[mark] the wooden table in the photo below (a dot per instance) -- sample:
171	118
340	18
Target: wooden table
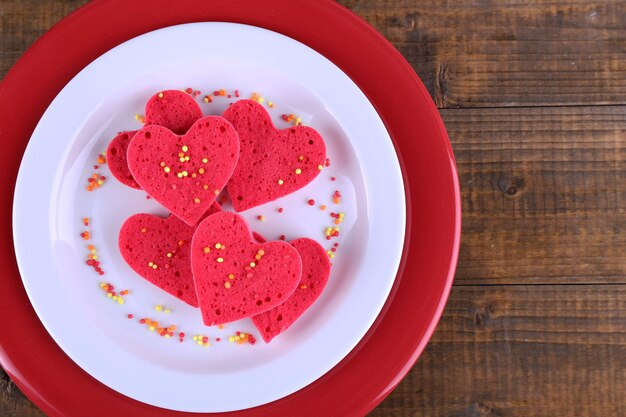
533	94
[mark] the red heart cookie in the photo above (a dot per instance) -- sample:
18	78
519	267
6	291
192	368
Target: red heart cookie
235	276
185	173
158	250
272	163
116	159
315	272
172	109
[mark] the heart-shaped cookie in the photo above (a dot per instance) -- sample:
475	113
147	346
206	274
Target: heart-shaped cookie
315	272
185	173
158	250
116	159
235	276
272	163
172	109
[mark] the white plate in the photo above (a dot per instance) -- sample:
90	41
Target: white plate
51	200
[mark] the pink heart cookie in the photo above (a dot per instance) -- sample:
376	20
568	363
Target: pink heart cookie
158	250
172	109
235	276
315	272
185	173
272	163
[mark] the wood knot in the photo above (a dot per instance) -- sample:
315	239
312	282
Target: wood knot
510	186
408	23
441	86
482	315
484	409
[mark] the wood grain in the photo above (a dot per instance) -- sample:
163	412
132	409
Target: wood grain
543	194
521	351
482	53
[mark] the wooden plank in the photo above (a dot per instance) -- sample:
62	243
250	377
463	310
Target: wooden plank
468	53
472	53
12	402
521	351
543	194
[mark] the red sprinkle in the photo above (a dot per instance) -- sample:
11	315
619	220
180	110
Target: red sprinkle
282	237
311	202
333	178
130	316
280	210
189	90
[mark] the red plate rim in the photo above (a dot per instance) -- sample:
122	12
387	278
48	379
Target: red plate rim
369	373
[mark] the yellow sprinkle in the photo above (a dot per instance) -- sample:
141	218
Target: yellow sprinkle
186	158
252	264
169	254
206	187
298	171
152	328
162	164
231	339
218	245
227	285
181	159
201	171
281	182
205	160
260	100
270	104
320	167
109	295
217	192
160	95
185	148
179	175
331	256
220	260
195	338
167	310
166	169
120	300
185	173
231	276
196	200
154	266
298	121
207	250
261	252
150	264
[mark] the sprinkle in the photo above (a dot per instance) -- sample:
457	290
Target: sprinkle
196	200
167	169
320	167
217	192
158	307
311	202
185	148
231	276
140	118
333	178
323	207
201	171
280	210
205	187
270	104
205	160
301	158
181	242
160	95
86	221
218	245
298	171
207	250
207	99
281	182
227	285
282	237
303	286
220	260
130	316
260	217
252	264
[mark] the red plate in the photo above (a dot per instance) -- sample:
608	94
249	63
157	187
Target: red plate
359	382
